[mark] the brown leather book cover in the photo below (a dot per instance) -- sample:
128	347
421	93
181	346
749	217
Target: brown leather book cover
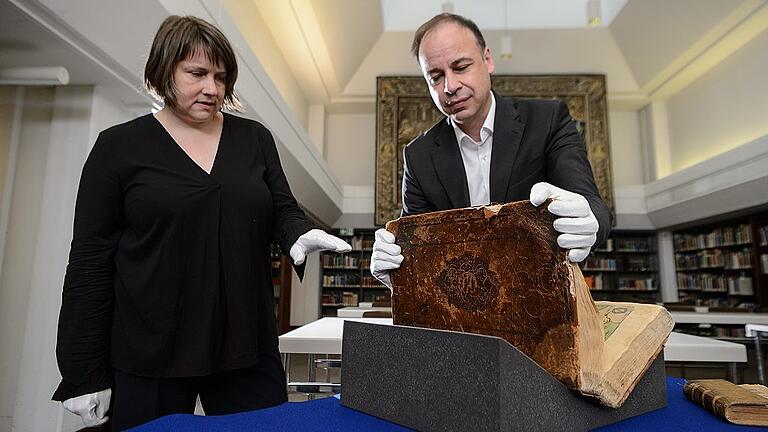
744	404
497	270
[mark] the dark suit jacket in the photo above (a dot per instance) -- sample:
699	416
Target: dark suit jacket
534	140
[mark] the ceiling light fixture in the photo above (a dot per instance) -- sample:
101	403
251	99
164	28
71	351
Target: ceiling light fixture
506	39
26	76
594	13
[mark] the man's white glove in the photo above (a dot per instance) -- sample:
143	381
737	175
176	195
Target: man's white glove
92	408
316	240
578	224
386	256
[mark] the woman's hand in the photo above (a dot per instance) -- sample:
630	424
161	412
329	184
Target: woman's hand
92	408
316	240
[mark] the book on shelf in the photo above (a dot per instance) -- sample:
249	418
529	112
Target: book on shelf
594	282
635	244
727	236
606	247
745	404
648	284
340	299
337	261
497	270
594	263
341	279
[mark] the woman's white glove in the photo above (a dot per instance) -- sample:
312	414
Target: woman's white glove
316	240
578	224
386	256
92	408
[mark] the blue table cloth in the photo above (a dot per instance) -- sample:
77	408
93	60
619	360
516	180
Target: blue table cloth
326	415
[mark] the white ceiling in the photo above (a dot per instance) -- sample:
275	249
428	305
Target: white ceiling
24	42
346	44
408	15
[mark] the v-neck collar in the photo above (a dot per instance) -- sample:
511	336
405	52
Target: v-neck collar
187	156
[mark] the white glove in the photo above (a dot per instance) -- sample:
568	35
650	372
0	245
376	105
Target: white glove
386	256
316	240
578	226
92	408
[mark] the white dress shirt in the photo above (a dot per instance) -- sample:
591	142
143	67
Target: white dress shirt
477	158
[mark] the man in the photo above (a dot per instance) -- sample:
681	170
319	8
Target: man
491	149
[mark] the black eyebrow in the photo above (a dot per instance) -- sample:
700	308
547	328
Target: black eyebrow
461	60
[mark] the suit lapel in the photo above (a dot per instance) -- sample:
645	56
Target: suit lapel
449	166
507	135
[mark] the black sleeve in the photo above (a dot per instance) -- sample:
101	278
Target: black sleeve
568	167
85	320
288	219
414	201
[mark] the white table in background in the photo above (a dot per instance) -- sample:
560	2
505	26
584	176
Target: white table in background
357	312
734	318
324	336
318	337
684	348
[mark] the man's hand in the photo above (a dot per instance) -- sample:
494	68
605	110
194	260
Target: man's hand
316	240
386	256
578	224
92	408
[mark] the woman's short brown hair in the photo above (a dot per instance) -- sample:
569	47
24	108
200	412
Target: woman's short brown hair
178	39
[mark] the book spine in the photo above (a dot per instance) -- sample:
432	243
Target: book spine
708	399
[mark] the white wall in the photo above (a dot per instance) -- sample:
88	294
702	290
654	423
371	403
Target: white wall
627	166
7	106
305	296
723	109
58	130
351	152
533	52
626	156
351	147
256	33
23	225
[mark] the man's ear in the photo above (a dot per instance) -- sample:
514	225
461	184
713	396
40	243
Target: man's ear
488	58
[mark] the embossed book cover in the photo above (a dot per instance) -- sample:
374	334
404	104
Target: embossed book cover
497	270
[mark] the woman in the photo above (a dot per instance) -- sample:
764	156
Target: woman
168	291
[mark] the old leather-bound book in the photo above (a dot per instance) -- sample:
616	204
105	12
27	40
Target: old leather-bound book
497	270
745	404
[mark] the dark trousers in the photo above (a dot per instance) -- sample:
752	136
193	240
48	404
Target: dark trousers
137	400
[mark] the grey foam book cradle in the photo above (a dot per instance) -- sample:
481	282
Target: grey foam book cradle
437	380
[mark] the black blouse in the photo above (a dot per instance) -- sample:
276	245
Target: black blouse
169	272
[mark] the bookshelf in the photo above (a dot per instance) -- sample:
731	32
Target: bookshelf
720	265
625	268
346	278
281	285
760	235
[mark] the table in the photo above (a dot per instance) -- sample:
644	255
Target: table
357	312
324	336
719	318
684	347
326	415
757	331
681	347
318	337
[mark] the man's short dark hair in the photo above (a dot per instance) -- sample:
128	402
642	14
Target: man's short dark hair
439	19
177	39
